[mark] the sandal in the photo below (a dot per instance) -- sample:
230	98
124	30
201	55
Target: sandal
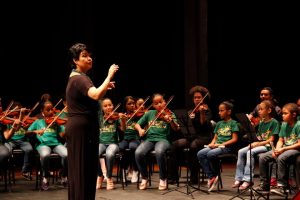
143	185
245	185
109	184
236	184
99	182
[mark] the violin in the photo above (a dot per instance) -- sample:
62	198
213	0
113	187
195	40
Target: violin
162	115
196	109
26	123
30	120
9	120
114	116
139	112
13	112
57	120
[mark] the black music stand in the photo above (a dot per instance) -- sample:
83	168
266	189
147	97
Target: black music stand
185	126
250	136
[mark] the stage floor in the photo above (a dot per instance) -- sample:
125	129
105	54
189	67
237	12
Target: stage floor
25	190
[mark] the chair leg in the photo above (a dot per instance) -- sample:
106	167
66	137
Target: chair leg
220	182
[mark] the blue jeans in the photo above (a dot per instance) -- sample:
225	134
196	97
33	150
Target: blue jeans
160	149
132	145
45	152
243	163
26	148
110	150
208	159
282	160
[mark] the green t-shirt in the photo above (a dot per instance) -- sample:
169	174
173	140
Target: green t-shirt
109	132
18	135
267	129
291	135
159	130
51	134
130	133
224	130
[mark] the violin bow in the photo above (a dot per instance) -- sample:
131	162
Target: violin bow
15	109
197	106
154	120
56	117
7	111
139	108
34	107
112	112
20	115
148	107
57	103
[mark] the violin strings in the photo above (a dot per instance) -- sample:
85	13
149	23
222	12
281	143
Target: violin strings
154	120
111	113
138	109
197	106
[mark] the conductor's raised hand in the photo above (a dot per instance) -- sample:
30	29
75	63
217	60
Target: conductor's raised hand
112	70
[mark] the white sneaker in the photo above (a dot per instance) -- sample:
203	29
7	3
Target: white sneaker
134	177
215	182
163	182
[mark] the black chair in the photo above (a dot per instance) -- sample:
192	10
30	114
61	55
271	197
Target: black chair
54	169
124	159
151	162
16	160
4	175
222	158
120	163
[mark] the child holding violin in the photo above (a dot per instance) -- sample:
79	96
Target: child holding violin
155	126
131	138
47	133
110	126
15	134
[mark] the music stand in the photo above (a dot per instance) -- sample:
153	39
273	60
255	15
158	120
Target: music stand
185	127
250	136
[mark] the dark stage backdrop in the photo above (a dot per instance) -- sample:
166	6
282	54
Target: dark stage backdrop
249	45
